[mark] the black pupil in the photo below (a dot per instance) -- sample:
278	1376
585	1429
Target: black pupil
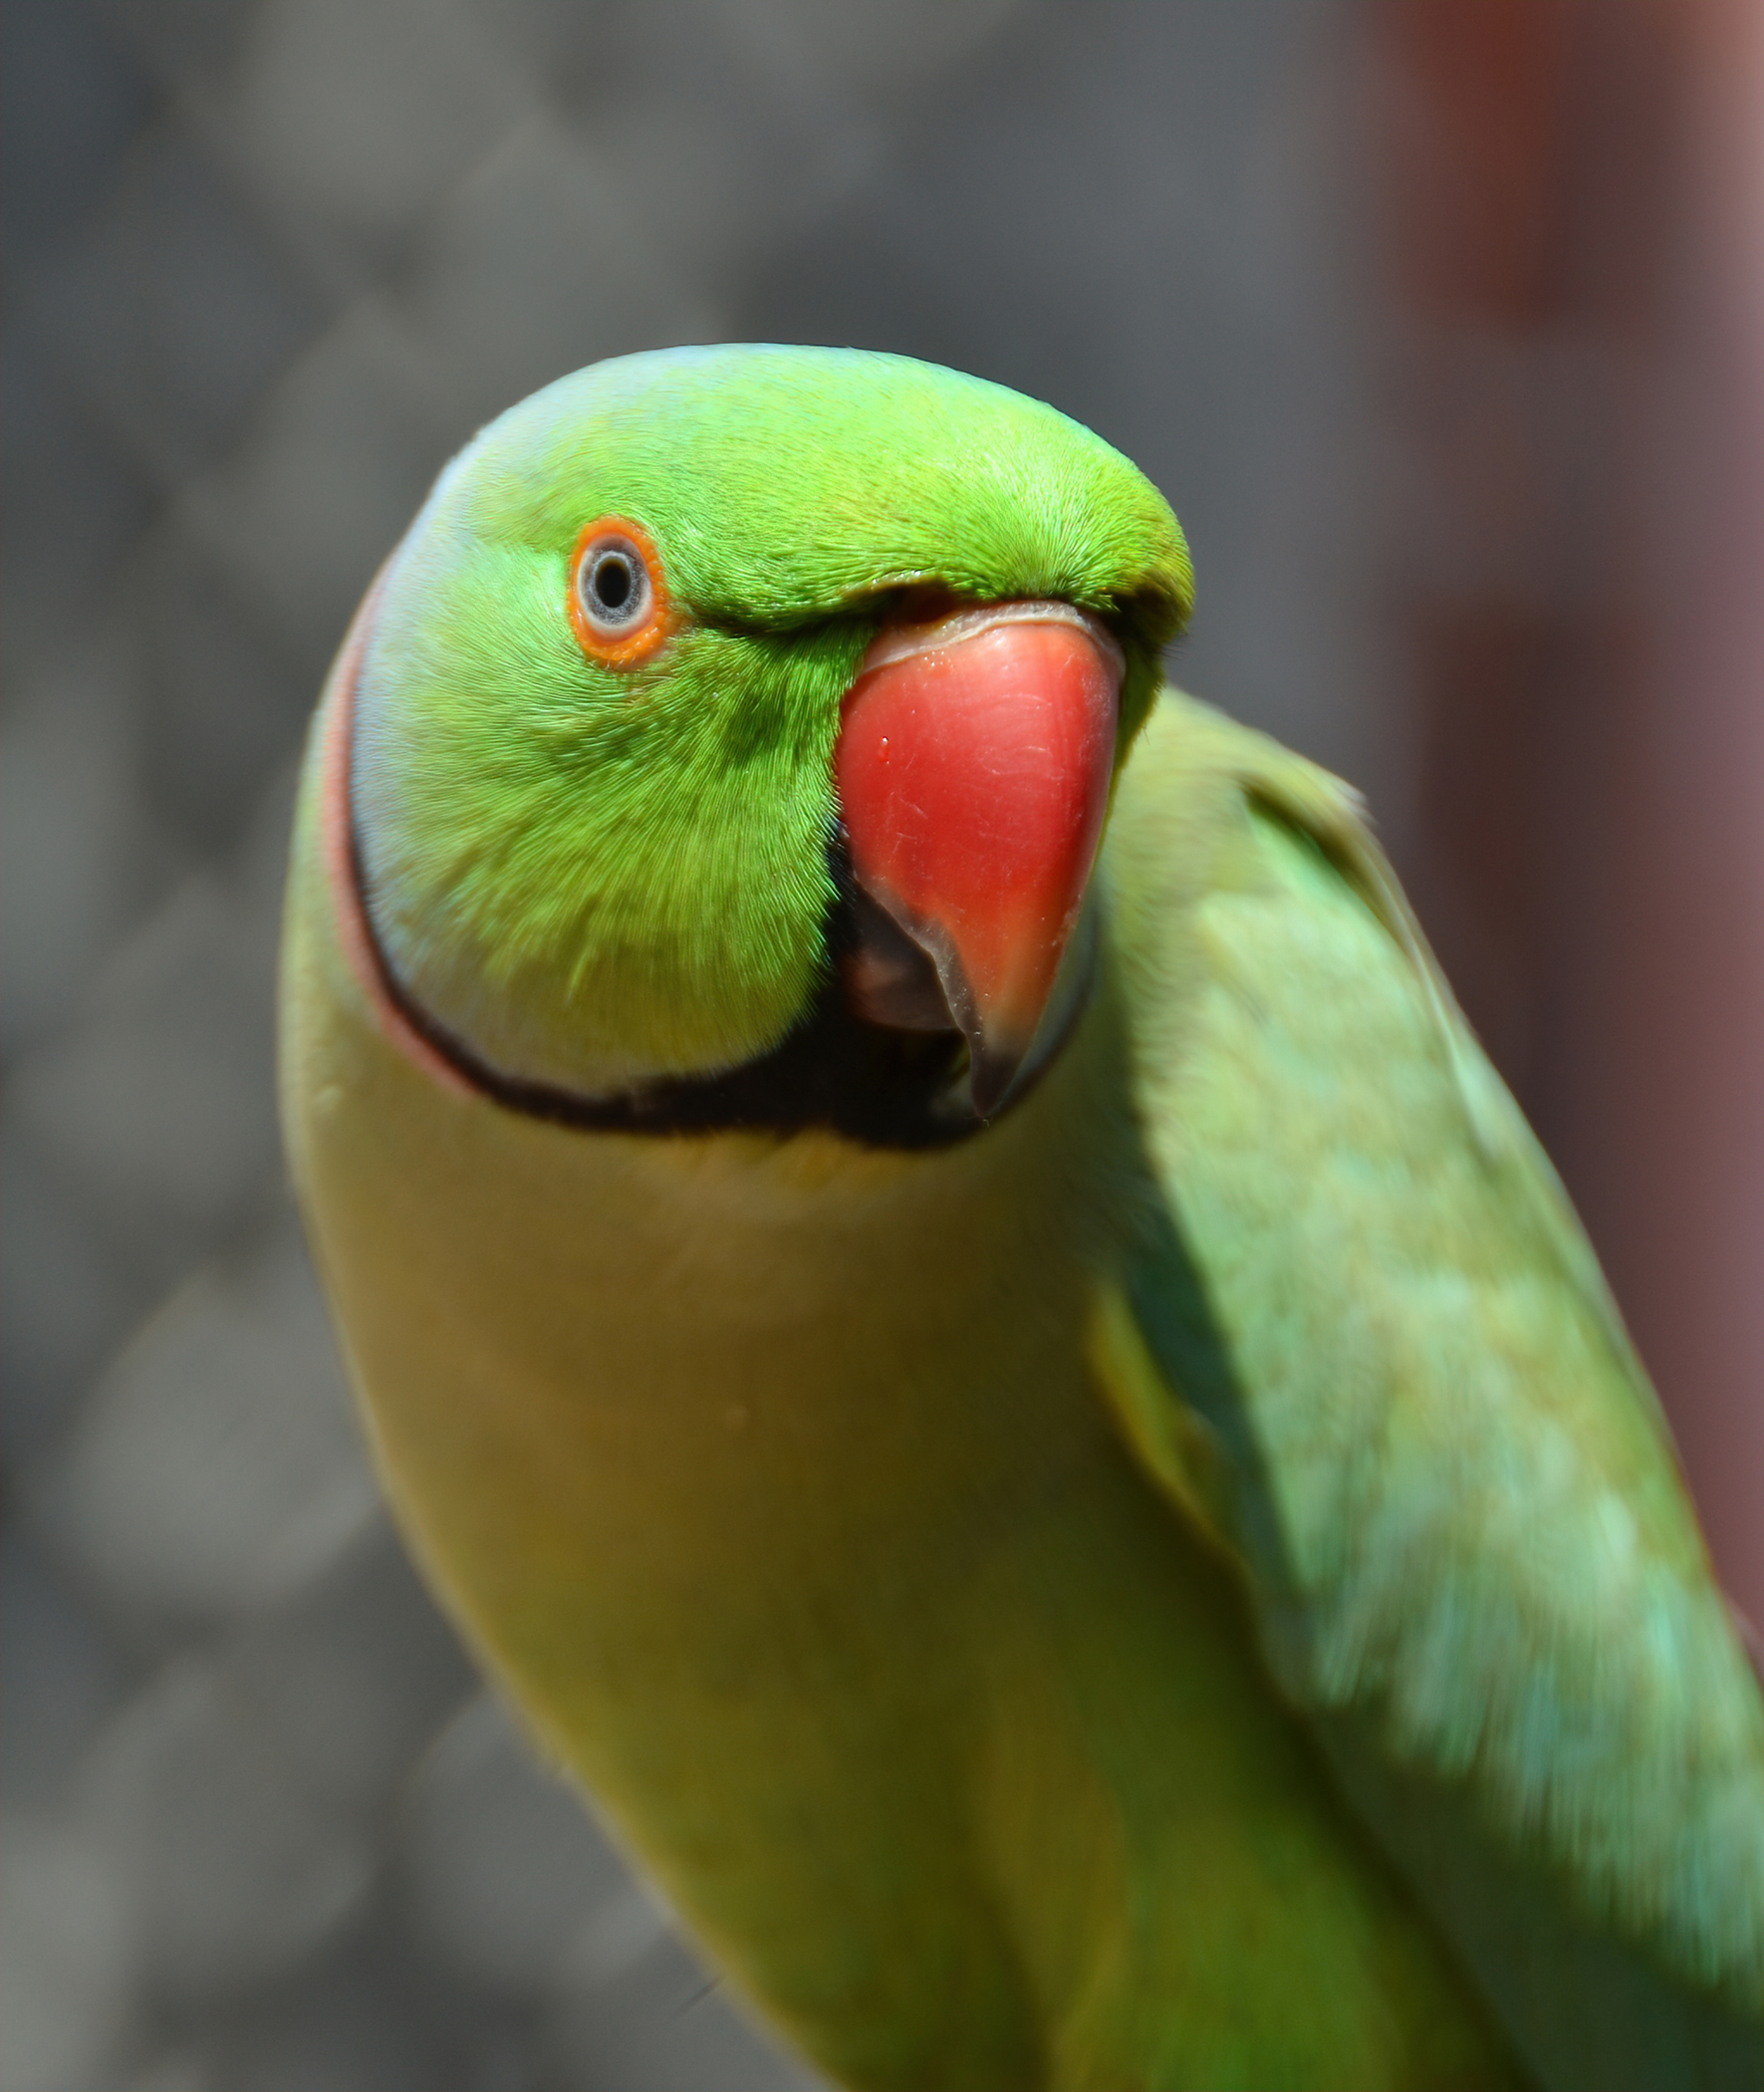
613	582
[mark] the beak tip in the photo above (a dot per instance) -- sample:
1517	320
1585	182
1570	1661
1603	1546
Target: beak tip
993	1068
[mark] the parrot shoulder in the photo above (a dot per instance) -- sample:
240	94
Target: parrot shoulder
1380	1360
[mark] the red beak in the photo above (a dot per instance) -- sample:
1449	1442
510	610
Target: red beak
973	768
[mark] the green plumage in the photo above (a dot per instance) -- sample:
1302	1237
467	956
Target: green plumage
1187	1586
602	874
1447	1472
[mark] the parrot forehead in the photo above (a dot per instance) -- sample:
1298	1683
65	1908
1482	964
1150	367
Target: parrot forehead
783	483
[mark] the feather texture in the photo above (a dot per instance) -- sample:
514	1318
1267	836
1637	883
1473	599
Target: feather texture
1471	1555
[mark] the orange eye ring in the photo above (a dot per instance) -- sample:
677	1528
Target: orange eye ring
617	596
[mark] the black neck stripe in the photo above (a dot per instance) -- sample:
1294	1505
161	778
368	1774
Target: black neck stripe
834	1071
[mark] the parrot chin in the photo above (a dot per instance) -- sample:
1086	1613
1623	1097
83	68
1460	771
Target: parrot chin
973	768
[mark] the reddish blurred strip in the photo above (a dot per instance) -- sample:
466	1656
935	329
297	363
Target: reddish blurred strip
1574	236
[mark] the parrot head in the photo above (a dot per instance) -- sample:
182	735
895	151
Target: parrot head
731	735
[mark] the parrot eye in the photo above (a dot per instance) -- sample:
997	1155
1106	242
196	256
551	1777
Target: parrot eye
613	586
618	599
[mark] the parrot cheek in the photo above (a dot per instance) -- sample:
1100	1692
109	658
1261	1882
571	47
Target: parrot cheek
973	768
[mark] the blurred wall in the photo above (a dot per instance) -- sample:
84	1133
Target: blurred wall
269	262
1567	206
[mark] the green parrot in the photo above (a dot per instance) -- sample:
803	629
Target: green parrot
942	1291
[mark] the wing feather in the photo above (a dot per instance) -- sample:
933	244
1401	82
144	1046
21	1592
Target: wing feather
1473	1560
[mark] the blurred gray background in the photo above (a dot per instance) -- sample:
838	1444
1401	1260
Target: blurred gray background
1346	280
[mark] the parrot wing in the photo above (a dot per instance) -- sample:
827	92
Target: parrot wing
1383	1370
